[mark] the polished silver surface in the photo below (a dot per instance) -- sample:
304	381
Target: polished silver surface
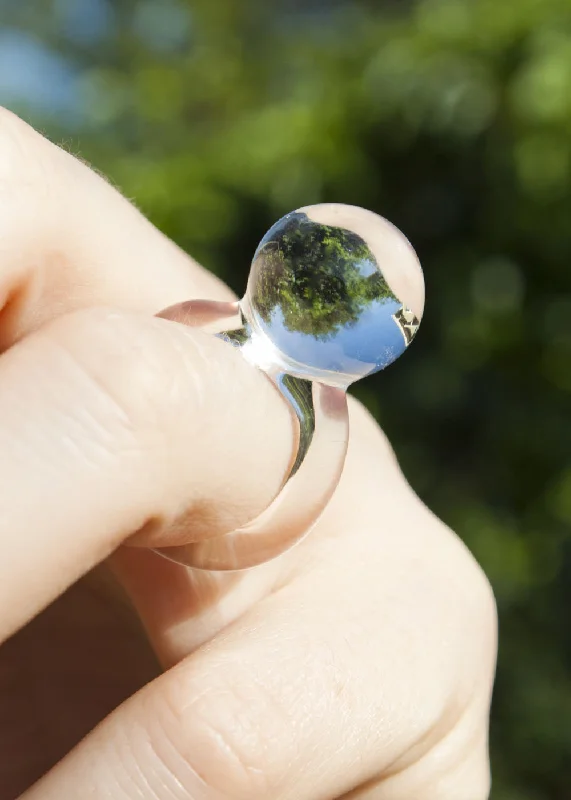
335	293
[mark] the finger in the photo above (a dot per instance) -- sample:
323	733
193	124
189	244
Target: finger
182	609
69	240
60	676
111	423
383	682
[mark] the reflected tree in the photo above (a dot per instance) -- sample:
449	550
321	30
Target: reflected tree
321	277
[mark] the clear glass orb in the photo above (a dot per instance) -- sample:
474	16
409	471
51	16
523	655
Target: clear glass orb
335	292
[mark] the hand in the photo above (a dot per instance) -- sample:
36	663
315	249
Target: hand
359	664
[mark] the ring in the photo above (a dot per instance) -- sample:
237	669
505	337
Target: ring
335	293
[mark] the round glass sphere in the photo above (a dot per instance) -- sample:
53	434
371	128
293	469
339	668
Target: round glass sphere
336	291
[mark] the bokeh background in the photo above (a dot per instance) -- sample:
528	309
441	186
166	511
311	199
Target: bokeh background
453	119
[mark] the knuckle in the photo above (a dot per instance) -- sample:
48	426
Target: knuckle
29	173
473	607
19	143
367	429
223	731
479	595
13	129
485	601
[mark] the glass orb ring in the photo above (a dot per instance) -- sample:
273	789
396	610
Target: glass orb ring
335	293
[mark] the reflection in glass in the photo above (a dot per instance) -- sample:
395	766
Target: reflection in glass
319	294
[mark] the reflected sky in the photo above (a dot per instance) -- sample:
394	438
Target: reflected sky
367	346
318	293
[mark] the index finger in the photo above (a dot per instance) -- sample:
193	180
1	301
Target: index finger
69	240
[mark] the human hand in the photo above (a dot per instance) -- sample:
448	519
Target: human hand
359	664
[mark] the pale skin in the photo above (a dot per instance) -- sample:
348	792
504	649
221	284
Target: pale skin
357	665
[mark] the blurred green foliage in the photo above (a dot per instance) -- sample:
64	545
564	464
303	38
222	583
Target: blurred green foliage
453	119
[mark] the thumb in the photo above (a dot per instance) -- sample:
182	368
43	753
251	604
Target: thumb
116	423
